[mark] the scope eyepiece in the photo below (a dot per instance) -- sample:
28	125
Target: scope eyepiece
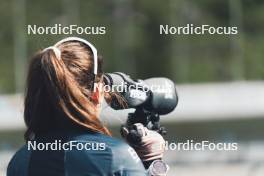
157	95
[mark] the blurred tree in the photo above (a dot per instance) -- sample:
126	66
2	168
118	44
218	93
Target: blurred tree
132	42
20	43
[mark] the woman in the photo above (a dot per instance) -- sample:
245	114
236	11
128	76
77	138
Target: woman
64	133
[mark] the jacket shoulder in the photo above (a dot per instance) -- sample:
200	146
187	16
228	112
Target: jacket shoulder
19	162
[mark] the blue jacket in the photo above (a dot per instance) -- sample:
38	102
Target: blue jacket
91	154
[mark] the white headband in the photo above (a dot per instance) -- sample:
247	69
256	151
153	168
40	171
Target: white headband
58	52
94	50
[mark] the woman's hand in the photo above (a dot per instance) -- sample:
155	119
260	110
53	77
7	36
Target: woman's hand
148	144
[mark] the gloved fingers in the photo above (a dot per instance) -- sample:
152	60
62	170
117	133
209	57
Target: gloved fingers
140	129
124	131
134	134
148	144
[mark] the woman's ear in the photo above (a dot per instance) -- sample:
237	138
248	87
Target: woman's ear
96	96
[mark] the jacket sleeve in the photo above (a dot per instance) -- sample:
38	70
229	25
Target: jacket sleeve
126	162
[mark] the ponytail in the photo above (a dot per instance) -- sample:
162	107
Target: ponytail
55	88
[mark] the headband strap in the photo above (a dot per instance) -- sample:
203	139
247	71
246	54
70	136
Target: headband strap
55	50
94	50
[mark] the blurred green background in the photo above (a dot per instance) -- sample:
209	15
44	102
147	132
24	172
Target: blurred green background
132	44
